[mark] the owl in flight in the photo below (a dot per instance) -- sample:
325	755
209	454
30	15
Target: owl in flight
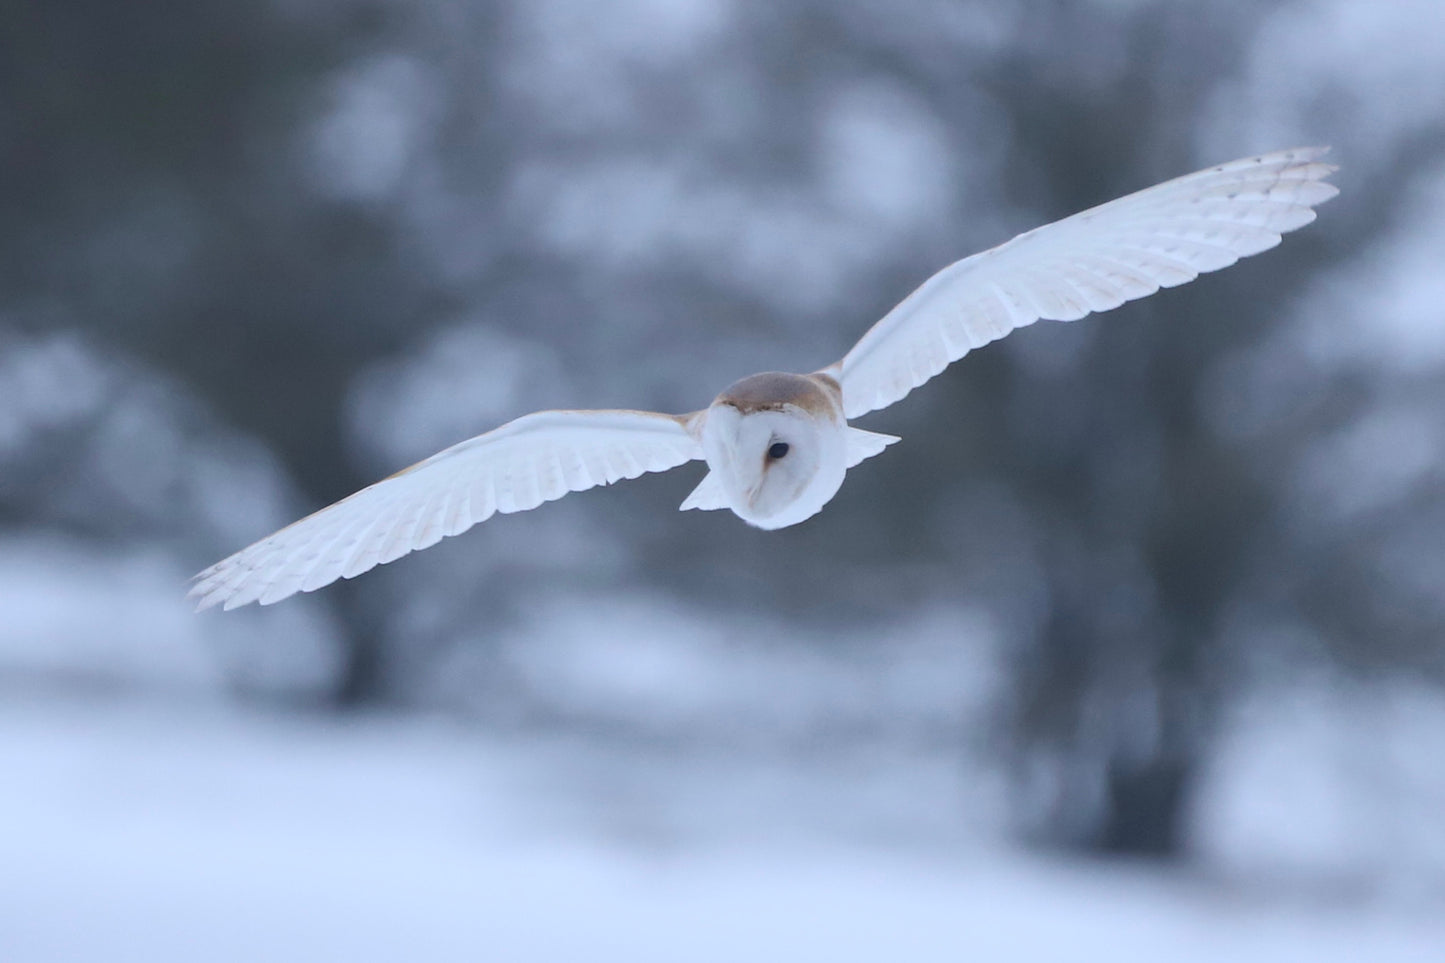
777	444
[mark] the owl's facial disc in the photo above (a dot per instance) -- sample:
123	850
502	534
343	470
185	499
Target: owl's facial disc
775	442
777	457
778	466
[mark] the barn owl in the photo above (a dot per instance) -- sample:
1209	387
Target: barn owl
777	444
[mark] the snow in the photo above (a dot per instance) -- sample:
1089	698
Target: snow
133	832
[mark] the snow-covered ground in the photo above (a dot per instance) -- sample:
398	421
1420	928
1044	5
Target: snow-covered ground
136	831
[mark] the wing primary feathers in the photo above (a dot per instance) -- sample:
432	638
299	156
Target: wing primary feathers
524	463
1162	236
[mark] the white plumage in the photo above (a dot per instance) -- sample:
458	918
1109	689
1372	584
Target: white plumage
1093	261
778	444
537	458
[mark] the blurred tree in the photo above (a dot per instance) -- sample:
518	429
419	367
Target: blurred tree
334	221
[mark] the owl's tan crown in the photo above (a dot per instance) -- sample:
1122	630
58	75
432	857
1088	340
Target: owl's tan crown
817	394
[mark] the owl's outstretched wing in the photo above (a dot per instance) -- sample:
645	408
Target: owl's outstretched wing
534	459
1093	261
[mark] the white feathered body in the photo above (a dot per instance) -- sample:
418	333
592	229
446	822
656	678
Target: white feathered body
778	445
801	416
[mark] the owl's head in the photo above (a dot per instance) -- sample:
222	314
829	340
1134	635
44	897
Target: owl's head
776	443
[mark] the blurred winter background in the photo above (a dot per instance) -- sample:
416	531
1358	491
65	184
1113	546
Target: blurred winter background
1132	650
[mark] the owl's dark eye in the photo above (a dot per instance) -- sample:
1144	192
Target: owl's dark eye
777	450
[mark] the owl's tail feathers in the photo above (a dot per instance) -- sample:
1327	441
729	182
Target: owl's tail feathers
708	495
863	444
